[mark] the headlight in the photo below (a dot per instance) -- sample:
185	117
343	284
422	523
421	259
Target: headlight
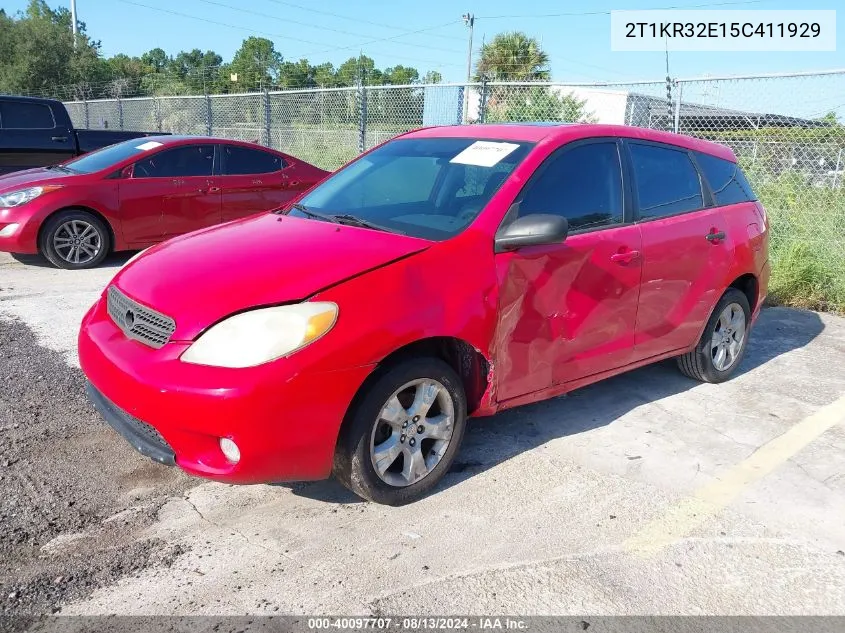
259	336
22	196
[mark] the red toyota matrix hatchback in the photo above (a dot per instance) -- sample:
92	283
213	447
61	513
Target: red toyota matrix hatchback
450	272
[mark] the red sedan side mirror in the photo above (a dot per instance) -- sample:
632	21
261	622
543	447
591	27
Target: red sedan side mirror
127	171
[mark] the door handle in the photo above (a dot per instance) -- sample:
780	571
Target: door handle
213	189
714	237
59	139
625	258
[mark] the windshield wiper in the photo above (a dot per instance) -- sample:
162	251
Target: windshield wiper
61	168
346	218
302	208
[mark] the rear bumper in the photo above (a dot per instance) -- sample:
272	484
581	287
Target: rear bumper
762	289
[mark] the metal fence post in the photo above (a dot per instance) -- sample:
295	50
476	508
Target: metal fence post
678	92
838	167
267	117
85	108
362	116
157	108
482	106
120	112
208	120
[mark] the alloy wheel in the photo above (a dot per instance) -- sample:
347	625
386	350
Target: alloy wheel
412	432
728	337
77	242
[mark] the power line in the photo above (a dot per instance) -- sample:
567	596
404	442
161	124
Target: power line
286	37
323	28
362	21
584	13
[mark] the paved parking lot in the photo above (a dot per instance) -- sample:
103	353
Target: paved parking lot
646	494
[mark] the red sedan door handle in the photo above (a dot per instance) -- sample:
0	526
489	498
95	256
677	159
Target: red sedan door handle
715	237
213	189
625	258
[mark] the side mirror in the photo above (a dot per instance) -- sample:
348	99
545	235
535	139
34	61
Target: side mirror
127	171
535	229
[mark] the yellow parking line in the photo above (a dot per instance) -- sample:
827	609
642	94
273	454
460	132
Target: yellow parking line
682	518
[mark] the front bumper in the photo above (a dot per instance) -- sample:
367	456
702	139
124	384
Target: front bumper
284	418
143	437
24	239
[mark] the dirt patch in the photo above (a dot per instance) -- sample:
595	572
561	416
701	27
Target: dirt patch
75	496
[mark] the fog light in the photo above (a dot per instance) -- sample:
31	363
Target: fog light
8	230
230	450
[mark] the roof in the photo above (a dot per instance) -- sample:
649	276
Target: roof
178	139
564	132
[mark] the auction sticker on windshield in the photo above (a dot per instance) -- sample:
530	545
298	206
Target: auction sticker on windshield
148	145
484	153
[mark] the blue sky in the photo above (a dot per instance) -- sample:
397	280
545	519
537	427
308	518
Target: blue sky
333	30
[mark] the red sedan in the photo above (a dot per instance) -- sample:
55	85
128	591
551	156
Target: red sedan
134	194
451	272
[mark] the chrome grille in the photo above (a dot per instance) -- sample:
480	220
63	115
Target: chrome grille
139	322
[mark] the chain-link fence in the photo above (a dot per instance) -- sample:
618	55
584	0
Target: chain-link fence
784	129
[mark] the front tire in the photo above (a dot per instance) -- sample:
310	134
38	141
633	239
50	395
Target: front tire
75	239
722	345
402	436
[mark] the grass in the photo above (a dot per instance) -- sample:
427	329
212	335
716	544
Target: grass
807	241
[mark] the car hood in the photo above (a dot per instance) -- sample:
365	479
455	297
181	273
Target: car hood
202	277
31	178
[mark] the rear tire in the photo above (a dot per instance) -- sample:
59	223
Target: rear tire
402	435
75	239
722	345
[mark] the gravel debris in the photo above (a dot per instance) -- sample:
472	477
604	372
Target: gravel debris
64	473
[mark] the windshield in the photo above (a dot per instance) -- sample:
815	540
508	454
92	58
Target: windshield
111	155
431	188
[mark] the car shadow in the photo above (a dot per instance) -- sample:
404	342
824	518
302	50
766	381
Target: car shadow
113	260
492	440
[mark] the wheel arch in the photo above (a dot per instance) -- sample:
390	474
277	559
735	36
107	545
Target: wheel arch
471	365
78	207
749	285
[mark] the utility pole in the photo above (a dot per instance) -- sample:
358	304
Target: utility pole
73	20
469	20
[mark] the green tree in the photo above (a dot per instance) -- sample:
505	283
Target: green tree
432	77
401	75
297	75
156	59
538	103
513	57
257	63
325	76
38	55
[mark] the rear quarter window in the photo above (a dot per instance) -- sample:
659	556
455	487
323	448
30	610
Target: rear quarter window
726	180
25	116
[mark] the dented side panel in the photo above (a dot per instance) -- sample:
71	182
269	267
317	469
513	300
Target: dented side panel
566	311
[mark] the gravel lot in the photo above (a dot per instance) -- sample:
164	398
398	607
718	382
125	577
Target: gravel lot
646	494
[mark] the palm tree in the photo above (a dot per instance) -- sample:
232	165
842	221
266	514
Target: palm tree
513	57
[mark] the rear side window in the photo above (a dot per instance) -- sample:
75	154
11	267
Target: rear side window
243	161
726	180
25	116
666	180
583	184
